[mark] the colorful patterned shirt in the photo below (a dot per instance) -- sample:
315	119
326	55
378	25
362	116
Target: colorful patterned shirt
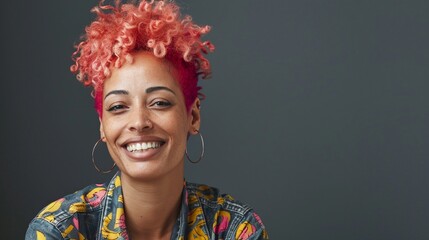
97	212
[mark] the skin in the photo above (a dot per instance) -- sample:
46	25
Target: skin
143	102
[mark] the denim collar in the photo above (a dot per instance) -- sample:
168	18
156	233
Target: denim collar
112	224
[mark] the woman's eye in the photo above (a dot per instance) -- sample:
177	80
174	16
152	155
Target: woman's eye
161	104
116	108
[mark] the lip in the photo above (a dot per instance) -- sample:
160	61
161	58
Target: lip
145	155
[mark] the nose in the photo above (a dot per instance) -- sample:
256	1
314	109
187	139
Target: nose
140	120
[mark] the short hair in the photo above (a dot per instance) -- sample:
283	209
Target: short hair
153	26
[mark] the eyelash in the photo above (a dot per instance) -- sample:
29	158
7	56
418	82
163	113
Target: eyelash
157	104
116	108
161	104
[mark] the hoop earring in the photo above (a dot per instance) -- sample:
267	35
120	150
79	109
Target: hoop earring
93	160
202	150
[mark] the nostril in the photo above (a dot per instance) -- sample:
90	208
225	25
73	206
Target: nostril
141	125
148	123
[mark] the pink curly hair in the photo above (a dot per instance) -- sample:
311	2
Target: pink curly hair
154	26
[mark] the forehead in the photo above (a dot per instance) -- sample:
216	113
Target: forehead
145	70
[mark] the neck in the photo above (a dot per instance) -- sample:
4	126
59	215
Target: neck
152	207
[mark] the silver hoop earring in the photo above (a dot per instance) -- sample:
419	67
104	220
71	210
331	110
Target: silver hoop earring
93	160
202	150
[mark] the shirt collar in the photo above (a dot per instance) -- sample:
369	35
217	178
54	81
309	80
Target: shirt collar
112	224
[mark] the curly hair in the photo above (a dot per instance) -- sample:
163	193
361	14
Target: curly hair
154	26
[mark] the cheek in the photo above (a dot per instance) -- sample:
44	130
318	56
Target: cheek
110	128
184	120
176	125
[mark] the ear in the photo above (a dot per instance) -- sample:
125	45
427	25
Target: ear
102	136
195	117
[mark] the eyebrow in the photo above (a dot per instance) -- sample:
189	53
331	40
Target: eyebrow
158	88
124	92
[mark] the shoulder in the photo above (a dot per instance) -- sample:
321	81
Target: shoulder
226	216
212	197
85	200
59	215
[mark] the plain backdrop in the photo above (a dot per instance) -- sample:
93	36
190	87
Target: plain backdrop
317	113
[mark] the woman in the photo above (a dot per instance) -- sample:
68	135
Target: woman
143	61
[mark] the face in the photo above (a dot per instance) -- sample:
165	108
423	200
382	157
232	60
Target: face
145	123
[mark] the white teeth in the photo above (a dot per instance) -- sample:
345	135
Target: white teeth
138	146
142	146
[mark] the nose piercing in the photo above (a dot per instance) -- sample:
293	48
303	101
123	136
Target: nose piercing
145	124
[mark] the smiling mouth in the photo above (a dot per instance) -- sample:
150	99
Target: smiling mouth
143	146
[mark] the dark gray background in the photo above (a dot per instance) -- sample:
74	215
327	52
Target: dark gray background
317	113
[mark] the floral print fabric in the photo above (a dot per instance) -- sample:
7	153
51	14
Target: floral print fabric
97	212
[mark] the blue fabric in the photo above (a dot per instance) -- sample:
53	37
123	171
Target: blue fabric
97	212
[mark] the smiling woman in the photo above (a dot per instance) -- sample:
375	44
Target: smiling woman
144	106
144	62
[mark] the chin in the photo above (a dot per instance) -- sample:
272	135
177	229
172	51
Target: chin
149	171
